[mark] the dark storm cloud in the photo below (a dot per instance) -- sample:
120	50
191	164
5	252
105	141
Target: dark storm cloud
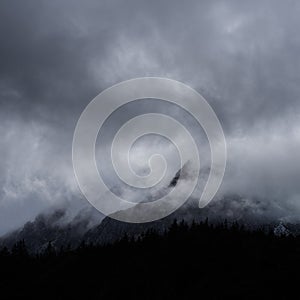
55	56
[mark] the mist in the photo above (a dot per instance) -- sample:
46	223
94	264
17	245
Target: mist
56	56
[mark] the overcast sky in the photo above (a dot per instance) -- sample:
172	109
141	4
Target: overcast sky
56	56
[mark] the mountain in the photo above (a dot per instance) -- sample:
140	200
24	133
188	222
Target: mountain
54	229
89	226
47	228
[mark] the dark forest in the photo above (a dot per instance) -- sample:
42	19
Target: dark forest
199	260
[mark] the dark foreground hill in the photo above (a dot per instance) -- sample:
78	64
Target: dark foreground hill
200	261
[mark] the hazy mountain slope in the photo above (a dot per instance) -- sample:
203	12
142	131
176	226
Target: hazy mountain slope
53	228
87	225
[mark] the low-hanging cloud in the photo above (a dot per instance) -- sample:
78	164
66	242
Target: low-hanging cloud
243	56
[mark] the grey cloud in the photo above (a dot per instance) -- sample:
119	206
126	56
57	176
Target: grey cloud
55	56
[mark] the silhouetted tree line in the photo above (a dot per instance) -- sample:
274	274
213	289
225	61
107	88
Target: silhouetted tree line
187	261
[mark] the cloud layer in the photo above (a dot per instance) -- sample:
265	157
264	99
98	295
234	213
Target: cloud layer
55	56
